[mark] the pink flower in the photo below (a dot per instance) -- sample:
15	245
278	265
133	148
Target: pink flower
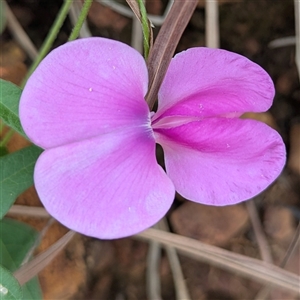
98	175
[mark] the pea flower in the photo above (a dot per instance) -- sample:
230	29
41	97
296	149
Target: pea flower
99	176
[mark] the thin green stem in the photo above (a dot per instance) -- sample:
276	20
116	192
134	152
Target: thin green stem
145	27
50	37
83	14
7	138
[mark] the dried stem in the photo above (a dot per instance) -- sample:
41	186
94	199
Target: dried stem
19	34
38	240
264	292
165	45
259	232
37	264
212	34
152	275
179	282
248	267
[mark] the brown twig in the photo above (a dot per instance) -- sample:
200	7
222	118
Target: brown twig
265	291
28	211
19	34
179	282
257	270
152	274
37	264
38	240
165	44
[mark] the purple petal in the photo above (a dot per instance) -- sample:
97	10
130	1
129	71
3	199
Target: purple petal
204	82
105	187
221	161
84	89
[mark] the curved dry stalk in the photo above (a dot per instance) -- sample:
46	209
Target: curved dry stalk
259	233
28	211
179	282
264	292
19	34
137	35
37	264
152	274
283	42
125	11
38	240
165	44
248	267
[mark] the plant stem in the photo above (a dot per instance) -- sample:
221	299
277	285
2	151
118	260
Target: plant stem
146	27
83	14
50	37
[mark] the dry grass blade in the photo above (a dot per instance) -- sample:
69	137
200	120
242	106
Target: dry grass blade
37	264
264	248
137	35
248	267
165	45
292	247
212	34
264	292
153	277
19	34
126	12
179	281
135	8
38	240
28	211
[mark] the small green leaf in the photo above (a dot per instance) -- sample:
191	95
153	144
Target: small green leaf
9	286
16	240
9	105
16	175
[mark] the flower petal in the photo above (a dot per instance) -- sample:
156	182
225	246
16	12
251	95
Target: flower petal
206	82
83	89
105	187
220	161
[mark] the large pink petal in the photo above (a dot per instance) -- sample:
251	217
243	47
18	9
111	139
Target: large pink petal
204	82
105	187
83	89
221	161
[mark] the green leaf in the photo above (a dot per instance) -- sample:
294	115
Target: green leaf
16	175
9	286
16	240
32	290
9	105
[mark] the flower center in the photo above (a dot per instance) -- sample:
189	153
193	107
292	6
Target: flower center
171	121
